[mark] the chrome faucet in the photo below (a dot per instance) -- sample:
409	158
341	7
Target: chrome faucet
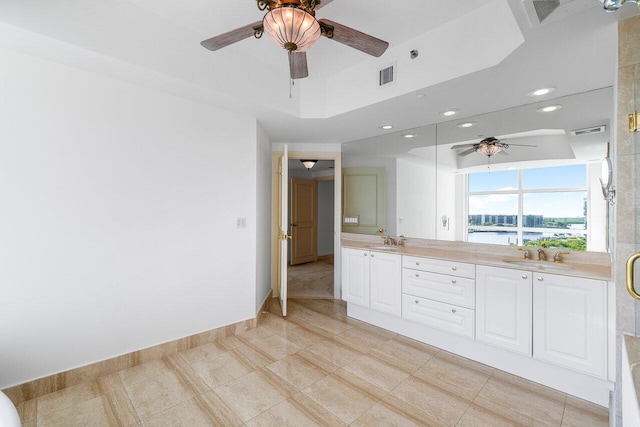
558	256
542	256
527	253
388	240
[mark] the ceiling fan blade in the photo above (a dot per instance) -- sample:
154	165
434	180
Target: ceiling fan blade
503	153
455	147
233	36
354	38
298	65
467	152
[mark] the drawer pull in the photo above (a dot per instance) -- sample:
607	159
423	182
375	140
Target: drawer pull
365	254
417	274
453	310
454	281
524	276
417	302
417	263
540	279
372	255
454	268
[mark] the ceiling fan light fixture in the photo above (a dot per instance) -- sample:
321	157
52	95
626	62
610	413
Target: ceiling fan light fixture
309	163
292	28
489	149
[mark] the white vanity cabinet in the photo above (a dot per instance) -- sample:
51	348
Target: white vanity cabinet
440	294
570	322
503	308
355	276
372	279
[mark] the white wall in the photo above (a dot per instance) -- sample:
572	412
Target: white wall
118	209
263	218
326	227
416	199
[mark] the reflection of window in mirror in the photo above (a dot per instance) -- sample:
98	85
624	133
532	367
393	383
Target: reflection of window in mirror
552	206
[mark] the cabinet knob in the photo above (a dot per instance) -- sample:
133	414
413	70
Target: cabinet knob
417	274
524	276
417	302
417	263
453	310
454	268
365	254
454	281
540	279
372	255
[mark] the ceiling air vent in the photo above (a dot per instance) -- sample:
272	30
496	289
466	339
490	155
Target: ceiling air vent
588	131
386	75
544	8
542	12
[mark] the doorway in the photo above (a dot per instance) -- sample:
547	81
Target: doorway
331	265
311	217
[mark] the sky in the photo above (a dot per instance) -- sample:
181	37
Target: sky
563	204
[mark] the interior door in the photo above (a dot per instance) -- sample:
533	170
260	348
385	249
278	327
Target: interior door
304	221
283	236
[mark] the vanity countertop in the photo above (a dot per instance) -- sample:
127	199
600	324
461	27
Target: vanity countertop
506	257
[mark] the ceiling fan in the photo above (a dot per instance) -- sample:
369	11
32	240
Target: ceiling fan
291	24
488	146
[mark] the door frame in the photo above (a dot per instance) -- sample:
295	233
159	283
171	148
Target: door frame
337	214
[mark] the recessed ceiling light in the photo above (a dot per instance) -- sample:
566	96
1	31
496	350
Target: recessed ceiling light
549	108
542	91
467	124
386	127
450	113
420	95
409	135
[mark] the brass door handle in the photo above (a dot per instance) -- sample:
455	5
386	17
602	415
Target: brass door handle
284	237
630	273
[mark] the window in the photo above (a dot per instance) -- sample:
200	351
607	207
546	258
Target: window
529	207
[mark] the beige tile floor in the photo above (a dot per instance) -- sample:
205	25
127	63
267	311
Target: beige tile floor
317	367
311	280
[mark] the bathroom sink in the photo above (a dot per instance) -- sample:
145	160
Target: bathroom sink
537	265
388	248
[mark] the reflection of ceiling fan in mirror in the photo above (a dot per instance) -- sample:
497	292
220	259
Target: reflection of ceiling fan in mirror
291	24
488	146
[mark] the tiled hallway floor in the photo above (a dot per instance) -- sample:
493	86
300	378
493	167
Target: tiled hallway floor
317	367
311	280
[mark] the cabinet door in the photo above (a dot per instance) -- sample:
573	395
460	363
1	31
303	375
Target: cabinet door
569	322
355	276
385	273
503	308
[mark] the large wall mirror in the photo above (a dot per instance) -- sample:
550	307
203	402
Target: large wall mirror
539	185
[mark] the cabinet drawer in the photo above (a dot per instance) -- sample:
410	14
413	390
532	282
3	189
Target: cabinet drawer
453	268
450	318
439	287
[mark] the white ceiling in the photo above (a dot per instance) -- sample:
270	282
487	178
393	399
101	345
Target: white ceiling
155	43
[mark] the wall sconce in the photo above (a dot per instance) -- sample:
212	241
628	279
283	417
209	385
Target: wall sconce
606	178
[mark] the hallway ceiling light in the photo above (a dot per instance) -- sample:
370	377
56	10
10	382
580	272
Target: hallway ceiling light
309	163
